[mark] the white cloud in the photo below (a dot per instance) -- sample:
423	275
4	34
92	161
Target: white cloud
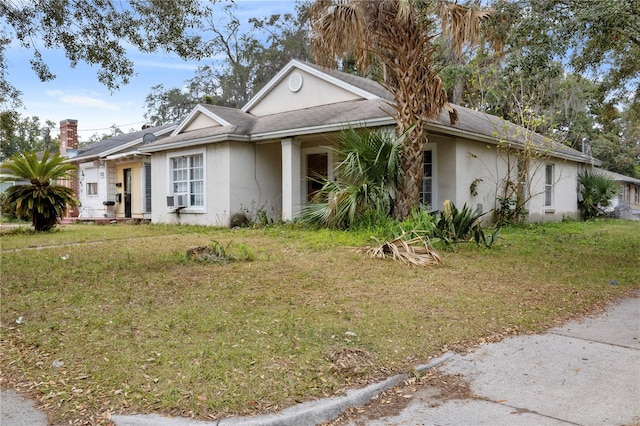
81	100
86	101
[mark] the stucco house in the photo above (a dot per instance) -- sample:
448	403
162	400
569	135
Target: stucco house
113	176
219	161
627	202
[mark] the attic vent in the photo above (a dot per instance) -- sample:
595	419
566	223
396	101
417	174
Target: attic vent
295	82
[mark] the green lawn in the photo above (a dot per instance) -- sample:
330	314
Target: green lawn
140	328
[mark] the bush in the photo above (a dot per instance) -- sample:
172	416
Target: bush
9	209
596	192
365	185
455	225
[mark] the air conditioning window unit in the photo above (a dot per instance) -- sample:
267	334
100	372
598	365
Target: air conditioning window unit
177	201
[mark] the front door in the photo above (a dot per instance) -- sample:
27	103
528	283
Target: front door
317	168
127	192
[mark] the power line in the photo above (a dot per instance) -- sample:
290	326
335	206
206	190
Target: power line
108	128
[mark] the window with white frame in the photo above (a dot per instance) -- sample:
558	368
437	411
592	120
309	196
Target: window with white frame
147	187
426	191
89	180
548	185
187	177
92	188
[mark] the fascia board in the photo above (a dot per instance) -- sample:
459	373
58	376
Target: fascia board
82	159
300	131
197	142
133	143
126	154
493	141
313	71
137	141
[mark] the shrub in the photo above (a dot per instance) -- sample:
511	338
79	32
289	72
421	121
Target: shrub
366	182
455	225
596	192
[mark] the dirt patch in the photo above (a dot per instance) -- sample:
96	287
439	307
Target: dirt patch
433	387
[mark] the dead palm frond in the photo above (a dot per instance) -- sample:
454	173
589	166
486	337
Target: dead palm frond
462	24
416	251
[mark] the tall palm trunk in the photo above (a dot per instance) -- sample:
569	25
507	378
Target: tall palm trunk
419	94
397	35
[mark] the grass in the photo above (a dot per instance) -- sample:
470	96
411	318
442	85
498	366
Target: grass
140	328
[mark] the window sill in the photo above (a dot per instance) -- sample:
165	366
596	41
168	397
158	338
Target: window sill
549	210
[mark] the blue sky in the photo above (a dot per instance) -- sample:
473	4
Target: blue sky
77	94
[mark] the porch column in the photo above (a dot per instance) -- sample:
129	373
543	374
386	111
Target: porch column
290	178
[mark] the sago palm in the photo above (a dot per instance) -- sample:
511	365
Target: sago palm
43	200
396	37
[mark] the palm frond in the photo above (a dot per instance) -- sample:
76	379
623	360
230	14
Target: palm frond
416	251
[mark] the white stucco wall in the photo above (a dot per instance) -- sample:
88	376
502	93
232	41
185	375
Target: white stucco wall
217	195
445	166
481	161
565	191
243	179
239	177
91	205
314	92
269	175
478	161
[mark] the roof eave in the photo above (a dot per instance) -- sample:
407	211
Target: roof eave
196	142
451	131
325	128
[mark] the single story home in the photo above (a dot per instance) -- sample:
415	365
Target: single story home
113	176
220	161
627	202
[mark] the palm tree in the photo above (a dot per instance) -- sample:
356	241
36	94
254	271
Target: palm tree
366	180
43	200
596	192
396	38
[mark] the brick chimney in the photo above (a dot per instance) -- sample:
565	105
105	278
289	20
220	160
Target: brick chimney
68	135
68	141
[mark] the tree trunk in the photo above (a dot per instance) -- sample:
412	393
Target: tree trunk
408	195
419	95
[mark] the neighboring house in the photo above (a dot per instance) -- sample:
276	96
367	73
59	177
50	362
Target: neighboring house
113	176
6	184
627	202
220	161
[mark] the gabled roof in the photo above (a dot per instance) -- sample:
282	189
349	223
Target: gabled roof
372	108
200	109
337	80
119	143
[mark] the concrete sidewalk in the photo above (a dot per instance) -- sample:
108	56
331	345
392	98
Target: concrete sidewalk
584	373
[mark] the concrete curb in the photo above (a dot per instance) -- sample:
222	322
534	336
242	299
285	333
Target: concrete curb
307	413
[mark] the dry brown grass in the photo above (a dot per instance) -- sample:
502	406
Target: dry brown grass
139	328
